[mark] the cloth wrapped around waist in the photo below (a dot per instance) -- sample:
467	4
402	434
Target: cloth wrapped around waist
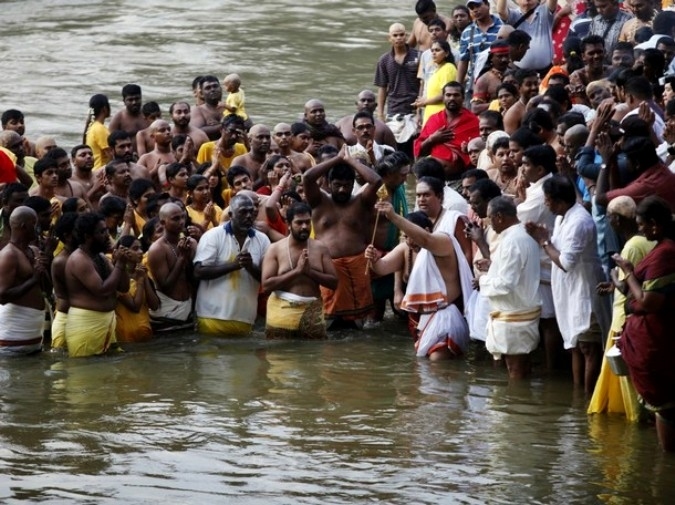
353	297
294	316
513	332
21	328
59	330
89	332
446	327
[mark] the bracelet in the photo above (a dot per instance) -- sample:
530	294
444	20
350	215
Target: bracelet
545	244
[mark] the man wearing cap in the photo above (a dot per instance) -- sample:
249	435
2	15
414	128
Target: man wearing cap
537	21
608	23
485	89
476	37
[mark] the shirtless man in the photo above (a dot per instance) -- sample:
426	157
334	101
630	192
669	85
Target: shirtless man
64	231
442	332
23	269
161	154
43	145
143	140
292	271
366	100
14	120
339	222
118	177
123	149
13	196
92	284
485	89
65	187
47	175
83	163
130	118
208	115
322	131
180	115
528	87
259	139
170	266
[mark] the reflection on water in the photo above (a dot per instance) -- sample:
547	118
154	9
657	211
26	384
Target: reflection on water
186	419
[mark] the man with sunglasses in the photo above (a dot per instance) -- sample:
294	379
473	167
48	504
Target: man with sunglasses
363	129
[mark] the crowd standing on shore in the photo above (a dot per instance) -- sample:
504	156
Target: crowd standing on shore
542	141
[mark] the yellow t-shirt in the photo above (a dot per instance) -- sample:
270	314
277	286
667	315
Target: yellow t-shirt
238	101
97	139
132	326
197	217
443	75
206	152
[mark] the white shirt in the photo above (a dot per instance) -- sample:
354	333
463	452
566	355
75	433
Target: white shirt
512	282
379	150
659	126
231	297
534	209
574	294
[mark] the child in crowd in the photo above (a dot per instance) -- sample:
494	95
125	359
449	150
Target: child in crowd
235	103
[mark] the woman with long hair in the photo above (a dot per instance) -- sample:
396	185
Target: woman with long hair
95	132
445	72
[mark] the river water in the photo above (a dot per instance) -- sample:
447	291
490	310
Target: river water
358	419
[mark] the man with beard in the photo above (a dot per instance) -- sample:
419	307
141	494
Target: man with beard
22	272
130	118
363	128
118	177
92	284
14	120
66	188
122	147
14	144
321	131
170	266
644	13
485	89
339	222
366	101
161	154
208	115
528	86
292	271
83	163
445	132
180	115
607	24
220	153
227	264
259	138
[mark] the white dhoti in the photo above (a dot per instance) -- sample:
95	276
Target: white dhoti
443	328
514	332
171	310
20	329
477	315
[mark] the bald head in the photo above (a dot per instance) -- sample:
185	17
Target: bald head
9	138
158	124
233	78
21	216
505	31
313	104
576	136
251	195
396	27
44	144
169	209
258	129
282	128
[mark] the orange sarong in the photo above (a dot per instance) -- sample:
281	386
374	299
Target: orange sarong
353	298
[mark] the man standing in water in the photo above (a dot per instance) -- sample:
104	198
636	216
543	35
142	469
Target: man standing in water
22	270
208	115
340	222
259	138
130	118
227	265
297	265
92	283
83	164
161	154
169	262
180	115
366	100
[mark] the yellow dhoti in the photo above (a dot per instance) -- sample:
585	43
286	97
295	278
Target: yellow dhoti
59	330
222	327
89	332
293	316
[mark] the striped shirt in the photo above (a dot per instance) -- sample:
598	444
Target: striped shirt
400	81
609	29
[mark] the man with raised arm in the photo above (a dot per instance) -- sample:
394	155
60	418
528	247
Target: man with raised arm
342	221
292	271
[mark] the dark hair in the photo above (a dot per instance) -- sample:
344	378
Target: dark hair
435	184
664	22
641	152
78	147
525	138
11	115
633	126
558	93
449	57
327	150
207	78
111	205
561	189
476	173
171	107
111	167
392	163
96	104
131	89
173	168
341	172
150	108
559	76
503	205
623	46
438	22
138	187
508	87
11	188
542	156
44	163
85	224
572	51
670	106
523	73
654	208
65	225
56	153
420	219
487	189
178	140
493	116
70	205
363	114
591	40
37	203
116	136
656	60
570	119
517	38
537	120
235	171
197	81
194	181
500	143
148	231
643	34
429	167
423	6
639	87
454	84
232	120
126	241
298	128
666	41
297	208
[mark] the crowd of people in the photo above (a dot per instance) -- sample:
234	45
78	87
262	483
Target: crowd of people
541	139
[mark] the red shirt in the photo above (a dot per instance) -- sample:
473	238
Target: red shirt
656	180
465	127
